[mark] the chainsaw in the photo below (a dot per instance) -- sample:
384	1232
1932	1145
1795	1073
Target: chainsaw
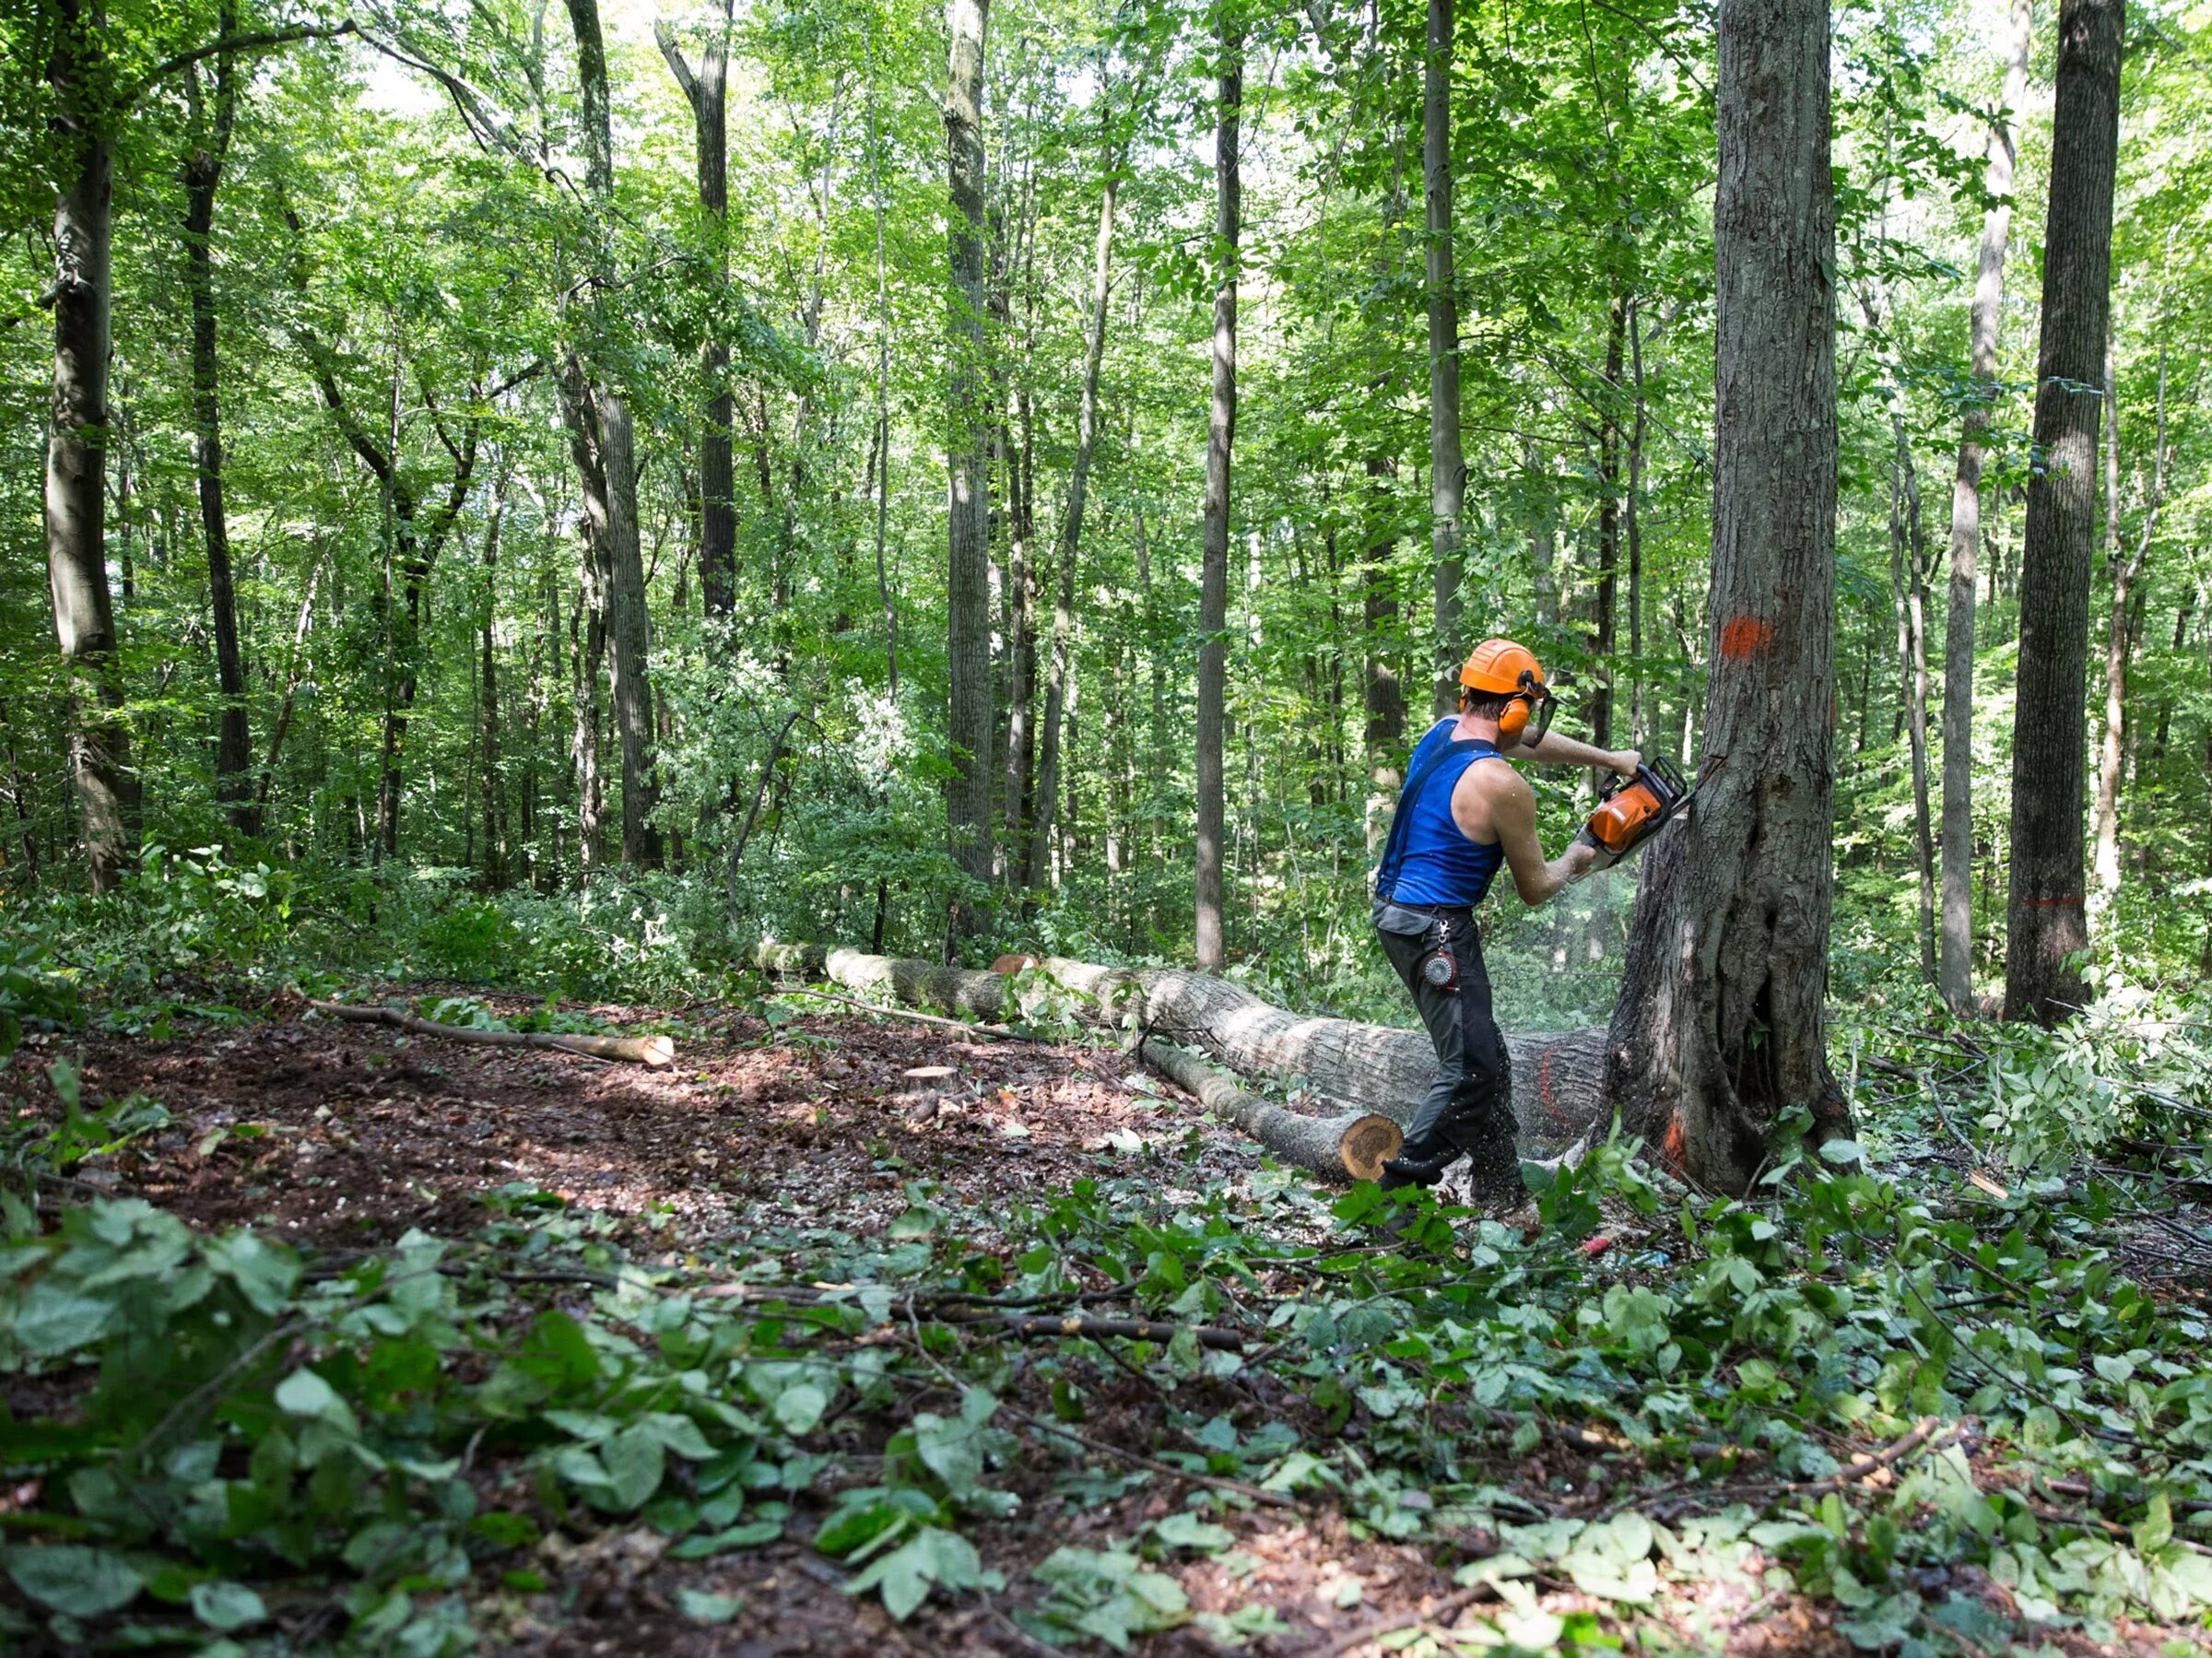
1630	810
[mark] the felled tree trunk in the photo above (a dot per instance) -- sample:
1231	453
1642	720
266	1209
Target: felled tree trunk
1357	1143
1557	1079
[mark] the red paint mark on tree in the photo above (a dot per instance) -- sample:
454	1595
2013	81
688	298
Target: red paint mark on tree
1746	636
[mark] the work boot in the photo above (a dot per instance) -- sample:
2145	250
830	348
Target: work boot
1401	1170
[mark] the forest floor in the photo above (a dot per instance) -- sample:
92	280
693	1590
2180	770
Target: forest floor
344	1138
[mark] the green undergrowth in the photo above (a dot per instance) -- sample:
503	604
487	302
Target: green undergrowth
219	1442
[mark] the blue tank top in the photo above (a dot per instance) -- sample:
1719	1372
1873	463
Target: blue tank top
1430	860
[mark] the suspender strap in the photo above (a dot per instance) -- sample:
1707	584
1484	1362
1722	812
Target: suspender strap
1394	850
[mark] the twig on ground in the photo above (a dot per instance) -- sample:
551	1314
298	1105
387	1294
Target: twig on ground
653	1052
1000	1032
1449	1607
1902	1447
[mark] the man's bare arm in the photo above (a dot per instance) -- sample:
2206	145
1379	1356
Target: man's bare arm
1554	749
1513	818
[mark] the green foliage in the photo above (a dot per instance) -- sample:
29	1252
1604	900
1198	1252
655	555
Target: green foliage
32	994
246	1416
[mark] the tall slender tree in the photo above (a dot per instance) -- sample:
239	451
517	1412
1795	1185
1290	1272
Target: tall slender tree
602	438
1220	439
2045	921
2125	570
1079	491
1721	1027
705	90
968	589
1956	967
1447	464
214	118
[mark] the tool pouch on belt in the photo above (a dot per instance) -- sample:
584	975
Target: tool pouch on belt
1397	917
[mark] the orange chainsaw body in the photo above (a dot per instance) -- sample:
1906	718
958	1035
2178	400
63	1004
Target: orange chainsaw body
1634	809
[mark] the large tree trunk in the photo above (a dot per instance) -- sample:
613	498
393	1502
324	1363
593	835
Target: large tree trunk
203	176
1956	967
76	447
1720	1031
967	593
1557	1079
1447	468
1220	439
704	90
601	436
1071	528
2044	923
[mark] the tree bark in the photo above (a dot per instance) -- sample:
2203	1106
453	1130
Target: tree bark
495	817
1956	967
1382	731
76	490
1914	540
1354	1146
604	444
704	89
1447	465
203	175
1604	628
968	596
2119	637
883	402
1071	528
1632	513
1719	1035
2044	923
1220	438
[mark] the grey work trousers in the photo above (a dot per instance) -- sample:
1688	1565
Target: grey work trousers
1468	1110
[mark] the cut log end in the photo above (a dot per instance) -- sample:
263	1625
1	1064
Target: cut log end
1369	1144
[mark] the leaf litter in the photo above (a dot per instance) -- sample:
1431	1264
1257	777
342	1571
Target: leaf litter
328	1334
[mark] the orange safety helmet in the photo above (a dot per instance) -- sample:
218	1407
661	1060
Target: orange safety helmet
1500	668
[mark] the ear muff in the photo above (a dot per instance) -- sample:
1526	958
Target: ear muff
1533	702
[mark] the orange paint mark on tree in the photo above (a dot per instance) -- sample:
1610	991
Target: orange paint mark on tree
1677	1141
1746	636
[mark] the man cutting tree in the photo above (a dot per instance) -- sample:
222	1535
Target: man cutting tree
1462	813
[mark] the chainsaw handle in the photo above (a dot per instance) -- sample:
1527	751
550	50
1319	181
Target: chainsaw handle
1662	774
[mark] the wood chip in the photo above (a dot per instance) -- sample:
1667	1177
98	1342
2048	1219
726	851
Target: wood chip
1984	1183
929	1073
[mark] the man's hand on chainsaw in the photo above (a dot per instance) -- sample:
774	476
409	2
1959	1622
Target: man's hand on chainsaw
1584	855
1625	761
